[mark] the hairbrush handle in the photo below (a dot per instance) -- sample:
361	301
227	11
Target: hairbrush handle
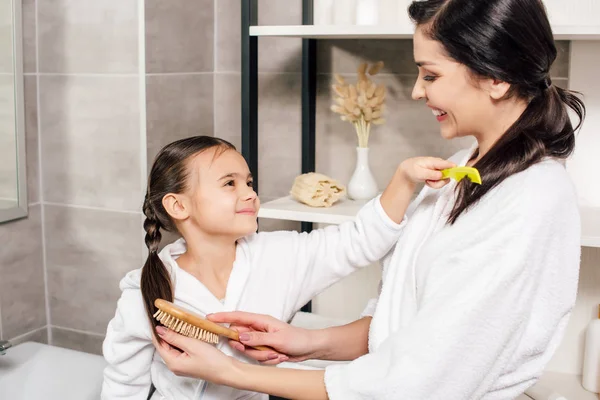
196	320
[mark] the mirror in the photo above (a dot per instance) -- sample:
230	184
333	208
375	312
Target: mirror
13	181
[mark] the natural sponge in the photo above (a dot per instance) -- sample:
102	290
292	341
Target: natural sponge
317	190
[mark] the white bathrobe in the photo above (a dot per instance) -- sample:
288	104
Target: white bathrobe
473	310
273	273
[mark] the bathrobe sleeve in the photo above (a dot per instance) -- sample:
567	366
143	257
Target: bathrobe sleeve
128	350
324	256
475	302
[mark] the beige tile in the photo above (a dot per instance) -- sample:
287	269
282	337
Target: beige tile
228	102
88	252
410	131
80	341
38	336
277	12
344	56
560	68
274	54
179	36
279	138
6	37
279	54
228	36
29	36
91	147
22	295
8	154
177	106
32	142
88	36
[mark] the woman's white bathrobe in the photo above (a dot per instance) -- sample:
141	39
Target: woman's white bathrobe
474	310
274	273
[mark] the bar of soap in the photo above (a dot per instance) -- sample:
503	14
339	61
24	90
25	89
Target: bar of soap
317	190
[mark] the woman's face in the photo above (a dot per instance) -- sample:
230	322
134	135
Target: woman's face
461	106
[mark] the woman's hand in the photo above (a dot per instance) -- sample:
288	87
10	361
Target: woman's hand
185	356
398	194
292	343
425	169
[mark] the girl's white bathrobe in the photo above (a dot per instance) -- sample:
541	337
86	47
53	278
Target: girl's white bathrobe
476	309
274	273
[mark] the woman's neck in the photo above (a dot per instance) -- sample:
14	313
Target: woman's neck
505	114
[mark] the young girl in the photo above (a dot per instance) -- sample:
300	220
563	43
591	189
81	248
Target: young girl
478	290
201	187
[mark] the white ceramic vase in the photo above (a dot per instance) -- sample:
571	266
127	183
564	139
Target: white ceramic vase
362	185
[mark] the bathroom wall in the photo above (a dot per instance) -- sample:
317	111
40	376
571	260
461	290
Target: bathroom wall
22	286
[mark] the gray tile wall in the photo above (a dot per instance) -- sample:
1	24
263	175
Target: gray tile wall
180	49
23	314
85	157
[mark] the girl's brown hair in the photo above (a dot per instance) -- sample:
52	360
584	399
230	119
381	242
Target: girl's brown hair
169	174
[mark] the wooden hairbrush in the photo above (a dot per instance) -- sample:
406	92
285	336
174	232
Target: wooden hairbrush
190	324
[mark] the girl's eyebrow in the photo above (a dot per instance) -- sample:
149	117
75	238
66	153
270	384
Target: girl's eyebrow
234	175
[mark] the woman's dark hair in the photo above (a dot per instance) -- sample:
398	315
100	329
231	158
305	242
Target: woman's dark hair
169	174
508	40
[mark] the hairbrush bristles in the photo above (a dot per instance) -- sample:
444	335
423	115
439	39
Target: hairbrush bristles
184	328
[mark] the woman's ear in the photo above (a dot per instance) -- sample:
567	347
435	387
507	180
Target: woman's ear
175	206
496	88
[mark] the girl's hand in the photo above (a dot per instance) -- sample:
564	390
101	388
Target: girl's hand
425	169
291	343
185	356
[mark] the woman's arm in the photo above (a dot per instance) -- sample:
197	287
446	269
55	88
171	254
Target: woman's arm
198	359
282	382
340	343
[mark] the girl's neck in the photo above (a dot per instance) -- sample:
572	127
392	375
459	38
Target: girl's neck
210	260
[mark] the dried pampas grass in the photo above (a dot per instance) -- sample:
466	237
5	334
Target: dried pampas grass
361	104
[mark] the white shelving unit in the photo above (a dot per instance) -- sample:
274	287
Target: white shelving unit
567	385
346	210
393	32
289	209
590	226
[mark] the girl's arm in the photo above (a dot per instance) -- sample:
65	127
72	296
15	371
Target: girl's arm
325	256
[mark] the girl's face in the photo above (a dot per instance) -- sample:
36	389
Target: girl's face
221	198
461	106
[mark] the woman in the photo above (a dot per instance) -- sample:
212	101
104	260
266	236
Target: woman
479	288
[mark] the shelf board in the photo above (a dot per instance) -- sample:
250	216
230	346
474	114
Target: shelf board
289	209
334	31
567	385
345	210
561	32
590	226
